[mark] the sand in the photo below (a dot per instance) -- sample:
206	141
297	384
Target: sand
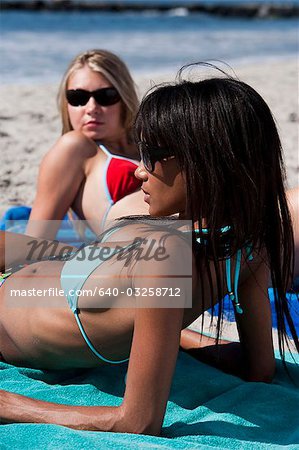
30	124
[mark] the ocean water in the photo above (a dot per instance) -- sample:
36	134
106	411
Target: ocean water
37	47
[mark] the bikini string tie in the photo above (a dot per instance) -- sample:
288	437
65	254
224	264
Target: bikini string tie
233	293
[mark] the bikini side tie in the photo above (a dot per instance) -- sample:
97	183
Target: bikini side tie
233	294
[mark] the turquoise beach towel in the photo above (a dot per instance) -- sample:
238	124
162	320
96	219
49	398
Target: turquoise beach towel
207	409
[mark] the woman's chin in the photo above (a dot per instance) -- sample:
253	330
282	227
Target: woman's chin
153	212
159	212
94	135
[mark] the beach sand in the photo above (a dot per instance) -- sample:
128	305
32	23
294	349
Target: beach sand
30	124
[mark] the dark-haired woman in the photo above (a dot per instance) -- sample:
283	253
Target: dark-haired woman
210	152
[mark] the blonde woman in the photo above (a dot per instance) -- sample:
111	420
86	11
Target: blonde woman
91	166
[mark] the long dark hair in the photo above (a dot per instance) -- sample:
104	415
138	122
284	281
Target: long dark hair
225	141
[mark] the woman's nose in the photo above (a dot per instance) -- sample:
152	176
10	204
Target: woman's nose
141	173
91	105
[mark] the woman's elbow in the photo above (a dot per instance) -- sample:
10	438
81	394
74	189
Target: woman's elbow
141	427
137	424
261	375
148	429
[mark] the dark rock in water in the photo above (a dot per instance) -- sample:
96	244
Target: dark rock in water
283	9
3	134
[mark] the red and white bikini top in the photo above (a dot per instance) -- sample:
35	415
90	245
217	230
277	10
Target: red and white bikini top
118	177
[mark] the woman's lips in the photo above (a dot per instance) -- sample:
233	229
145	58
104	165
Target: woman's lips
93	123
146	196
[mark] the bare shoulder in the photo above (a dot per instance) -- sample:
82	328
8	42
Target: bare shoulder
61	173
69	147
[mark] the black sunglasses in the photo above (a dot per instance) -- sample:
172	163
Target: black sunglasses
150	155
104	97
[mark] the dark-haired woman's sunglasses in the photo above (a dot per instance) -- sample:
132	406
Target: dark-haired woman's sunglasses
104	97
150	155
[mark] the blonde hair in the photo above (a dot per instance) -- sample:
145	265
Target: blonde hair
115	71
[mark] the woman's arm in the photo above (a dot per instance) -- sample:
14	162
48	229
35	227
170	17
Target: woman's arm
252	358
255	324
60	176
152	363
18	408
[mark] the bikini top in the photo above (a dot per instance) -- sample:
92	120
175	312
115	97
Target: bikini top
75	273
119	179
